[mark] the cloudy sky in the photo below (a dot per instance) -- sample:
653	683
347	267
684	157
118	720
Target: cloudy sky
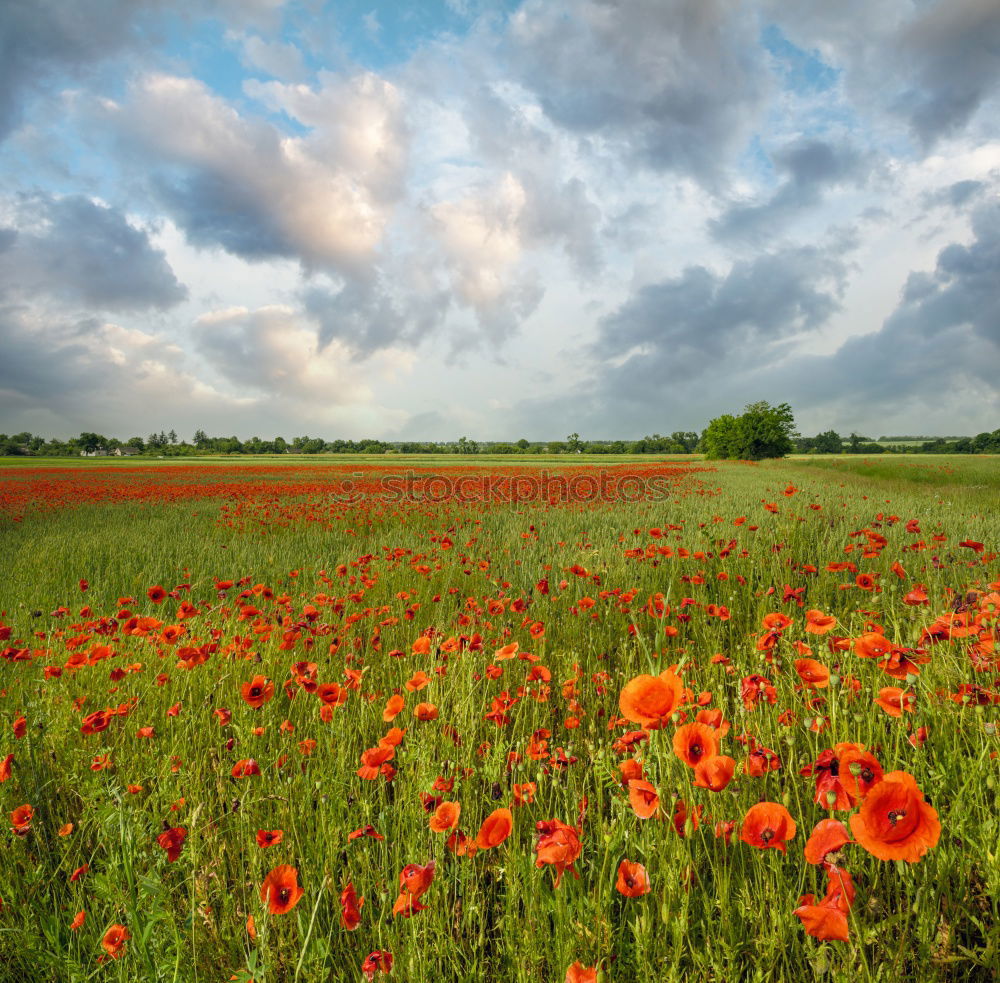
501	219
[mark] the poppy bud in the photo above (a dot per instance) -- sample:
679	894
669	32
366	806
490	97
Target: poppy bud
497	791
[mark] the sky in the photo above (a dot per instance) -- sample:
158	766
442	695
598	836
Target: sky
425	220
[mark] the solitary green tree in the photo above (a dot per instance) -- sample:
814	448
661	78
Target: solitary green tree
761	431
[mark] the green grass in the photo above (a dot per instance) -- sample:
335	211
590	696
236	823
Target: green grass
716	911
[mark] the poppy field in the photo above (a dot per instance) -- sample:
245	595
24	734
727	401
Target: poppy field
635	722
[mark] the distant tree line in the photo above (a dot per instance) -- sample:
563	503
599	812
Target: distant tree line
760	431
831	442
168	444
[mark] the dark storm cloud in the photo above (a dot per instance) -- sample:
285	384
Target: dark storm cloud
677	82
938	352
951	56
963	290
810	167
689	347
77	252
214	210
933	65
683	325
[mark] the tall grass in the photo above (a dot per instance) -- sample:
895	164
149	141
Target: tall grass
717	910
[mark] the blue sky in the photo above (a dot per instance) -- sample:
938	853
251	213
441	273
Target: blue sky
500	219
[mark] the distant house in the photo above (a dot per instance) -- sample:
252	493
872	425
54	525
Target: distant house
94	453
126	451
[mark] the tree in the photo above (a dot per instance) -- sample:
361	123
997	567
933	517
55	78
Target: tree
686	439
91	442
172	436
720	441
573	443
761	431
828	442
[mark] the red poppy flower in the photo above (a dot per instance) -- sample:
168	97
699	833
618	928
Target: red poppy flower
417	682
269	837
414	881
114	941
558	845
257	692
377	962
95	722
714	773
860	771
894	822
280	890
245	768
767	825
496	828
818	623
828	836
393	705
20	819
78	920
694	743
373	760
813	673
578	973
651	700
895	701
350	908
425	711
633	881
828	919
643	798
445	817
172	840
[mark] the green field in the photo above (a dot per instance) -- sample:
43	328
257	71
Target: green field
344	580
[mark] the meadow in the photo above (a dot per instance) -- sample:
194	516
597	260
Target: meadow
462	720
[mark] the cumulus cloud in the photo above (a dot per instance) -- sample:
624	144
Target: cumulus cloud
671	81
368	314
78	252
273	351
43	39
240	183
58	373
